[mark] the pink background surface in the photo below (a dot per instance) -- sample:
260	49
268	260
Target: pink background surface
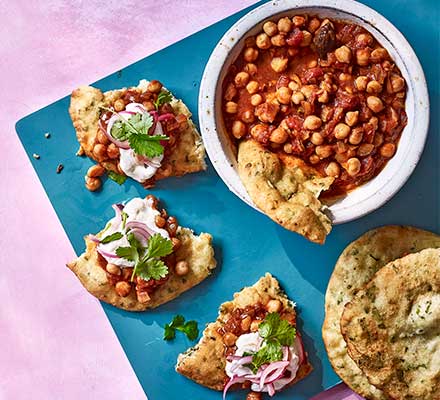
56	341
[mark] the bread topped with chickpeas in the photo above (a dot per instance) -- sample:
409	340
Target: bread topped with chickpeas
143	258
141	132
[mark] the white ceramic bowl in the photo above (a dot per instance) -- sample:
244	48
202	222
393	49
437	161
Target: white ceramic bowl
377	191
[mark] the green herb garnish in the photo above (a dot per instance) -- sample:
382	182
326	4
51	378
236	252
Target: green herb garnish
147	262
135	129
163	97
119	179
276	333
178	323
124	217
112	237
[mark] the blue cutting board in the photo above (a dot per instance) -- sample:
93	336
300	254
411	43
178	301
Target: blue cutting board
247	244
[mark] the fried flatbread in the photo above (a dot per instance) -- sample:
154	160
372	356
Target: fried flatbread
355	267
285	190
196	250
392	327
205	362
187	156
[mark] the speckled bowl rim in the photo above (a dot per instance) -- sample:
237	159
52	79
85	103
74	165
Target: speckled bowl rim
385	185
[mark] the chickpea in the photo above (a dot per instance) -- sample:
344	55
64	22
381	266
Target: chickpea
378	139
246	323
238	129
154	86
102	138
323	97
353	166
317	139
324	151
285	25
312	122
123	288
314	24
298	20
364	39
95	171
397	83
375	104
307	39
229	339
279	135
253	396
251	69
181	268
230	92
112	151
388	150
363	57
250	54
273	305
341	131
378	55
119	105
332	169
356	136
100	152
113	269
254	325
361	83
241	79
365	149
258	131
149	105
248	116
283	95
278	40
293	86
279	64
231	107
351	118
288	148
256	99
314	159
160	221
297	97
343	54
270	28
312	64
263	41
374	87
176	243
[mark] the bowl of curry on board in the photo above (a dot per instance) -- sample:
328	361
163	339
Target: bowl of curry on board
314	112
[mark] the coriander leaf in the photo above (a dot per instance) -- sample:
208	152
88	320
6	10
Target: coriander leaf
285	333
169	333
119	179
274	328
163	97
129	253
119	130
269	325
190	329
146	145
112	237
178	320
159	246
151	269
272	351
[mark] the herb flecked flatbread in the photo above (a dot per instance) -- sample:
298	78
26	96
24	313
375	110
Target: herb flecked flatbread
285	190
197	251
186	157
355	267
392	327
205	362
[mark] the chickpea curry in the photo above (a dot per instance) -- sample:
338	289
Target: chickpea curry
324	91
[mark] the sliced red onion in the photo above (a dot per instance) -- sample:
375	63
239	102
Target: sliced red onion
141	235
151	162
165	117
275	370
232	381
136	108
118	210
94	238
299	348
286	353
106	253
270	389
234	357
141	226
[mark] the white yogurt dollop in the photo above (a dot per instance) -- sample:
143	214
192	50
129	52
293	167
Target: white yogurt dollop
251	343
139	210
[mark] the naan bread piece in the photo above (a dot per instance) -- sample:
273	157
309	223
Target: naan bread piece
205	362
187	156
196	250
285	190
392	327
355	267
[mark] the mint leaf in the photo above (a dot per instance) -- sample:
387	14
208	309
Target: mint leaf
119	179
163	97
189	328
151	269
159	246
112	237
